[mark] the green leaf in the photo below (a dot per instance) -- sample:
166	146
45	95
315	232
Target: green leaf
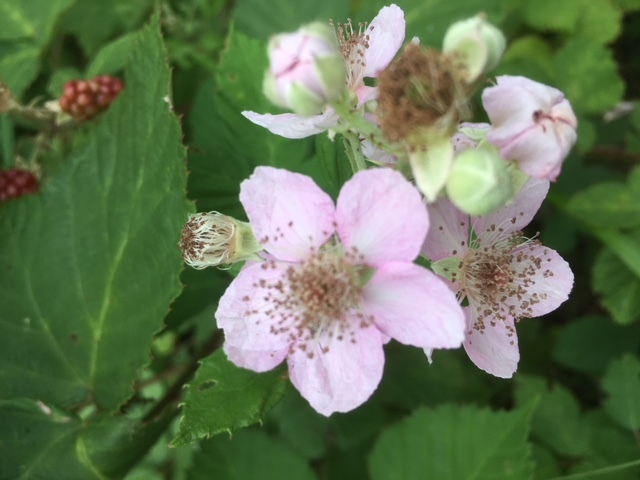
601	21
556	421
261	19
588	344
564	18
612	450
112	57
618	286
32	19
95	21
457	443
248	455
90	265
19	64
608	205
223	397
530	56
38	442
588	75
299	425
622	384
227	146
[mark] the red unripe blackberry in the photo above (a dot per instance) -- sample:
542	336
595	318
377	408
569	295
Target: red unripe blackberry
83	99
16	182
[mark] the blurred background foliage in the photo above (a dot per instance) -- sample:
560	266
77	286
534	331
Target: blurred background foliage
110	369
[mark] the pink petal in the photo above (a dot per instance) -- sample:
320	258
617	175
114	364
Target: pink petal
290	125
246	310
541	150
366	94
258	361
514	216
338	375
386	34
289	214
414	306
381	215
493	349
547	283
449	231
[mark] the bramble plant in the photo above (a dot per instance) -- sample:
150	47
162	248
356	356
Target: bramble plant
248	240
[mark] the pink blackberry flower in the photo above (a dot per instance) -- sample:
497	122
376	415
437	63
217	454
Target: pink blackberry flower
339	281
503	275
366	53
531	123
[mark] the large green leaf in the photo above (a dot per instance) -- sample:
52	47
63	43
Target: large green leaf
557	420
622	383
608	205
32	19
248	455
588	75
38	443
95	21
19	64
456	443
261	19
588	344
617	284
226	147
223	397
89	266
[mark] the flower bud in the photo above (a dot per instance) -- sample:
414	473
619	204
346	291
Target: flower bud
431	166
212	239
306	69
479	182
479	43
532	124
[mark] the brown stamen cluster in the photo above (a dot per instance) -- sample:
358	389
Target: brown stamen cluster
208	240
84	99
319	296
421	89
497	279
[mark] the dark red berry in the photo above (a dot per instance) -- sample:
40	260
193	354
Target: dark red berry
83	99
16	182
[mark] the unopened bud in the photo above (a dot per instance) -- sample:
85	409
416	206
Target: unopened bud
479	43
212	239
479	182
431	166
306	69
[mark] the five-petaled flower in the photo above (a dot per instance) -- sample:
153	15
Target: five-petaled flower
338	281
366	53
503	275
531	123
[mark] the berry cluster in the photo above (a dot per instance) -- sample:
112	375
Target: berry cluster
16	182
84	99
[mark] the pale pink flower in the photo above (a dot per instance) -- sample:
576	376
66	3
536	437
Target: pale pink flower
339	281
366	54
532	124
503	275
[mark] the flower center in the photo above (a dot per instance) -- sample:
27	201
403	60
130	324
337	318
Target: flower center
353	46
497	279
320	296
